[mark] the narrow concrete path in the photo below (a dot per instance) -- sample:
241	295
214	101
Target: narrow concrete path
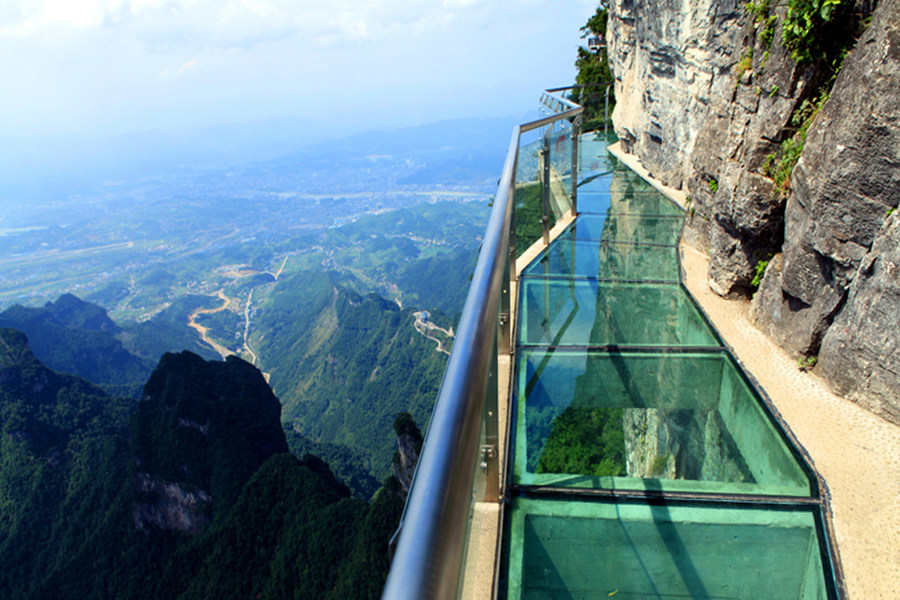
856	452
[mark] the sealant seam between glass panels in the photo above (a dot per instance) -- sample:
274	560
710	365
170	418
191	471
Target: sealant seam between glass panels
767	501
566	277
641	215
611	348
626	243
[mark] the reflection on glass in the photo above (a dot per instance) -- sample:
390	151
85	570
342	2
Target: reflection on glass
533	182
604	550
593	155
528	161
627	228
565	257
621	385
591	313
559	144
529	208
644	203
621	182
687	418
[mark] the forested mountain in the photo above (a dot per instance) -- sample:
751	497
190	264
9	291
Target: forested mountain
188	493
344	364
73	336
343	360
77	337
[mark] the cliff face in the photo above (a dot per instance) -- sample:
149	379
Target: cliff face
706	96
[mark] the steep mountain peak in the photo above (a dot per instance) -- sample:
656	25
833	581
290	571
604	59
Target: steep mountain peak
72	311
201	430
73	336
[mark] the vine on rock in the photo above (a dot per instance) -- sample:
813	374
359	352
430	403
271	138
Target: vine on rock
804	26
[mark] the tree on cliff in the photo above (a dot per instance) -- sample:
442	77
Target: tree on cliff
593	68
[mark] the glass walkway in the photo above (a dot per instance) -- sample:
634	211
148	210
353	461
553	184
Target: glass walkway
593	437
642	462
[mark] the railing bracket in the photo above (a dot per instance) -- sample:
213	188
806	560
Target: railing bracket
487	453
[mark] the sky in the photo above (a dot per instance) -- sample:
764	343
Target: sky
105	67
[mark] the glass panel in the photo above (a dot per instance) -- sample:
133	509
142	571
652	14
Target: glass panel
529	194
627	181
586	312
629	420
604	550
559	138
529	208
645	203
624	181
627	228
595	155
601	260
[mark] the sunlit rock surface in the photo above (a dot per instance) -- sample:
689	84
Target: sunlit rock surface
703	100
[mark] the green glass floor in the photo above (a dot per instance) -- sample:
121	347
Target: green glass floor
643	463
634	202
600	549
606	260
634	228
580	312
630	420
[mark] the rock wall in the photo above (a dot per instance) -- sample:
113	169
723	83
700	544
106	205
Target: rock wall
704	96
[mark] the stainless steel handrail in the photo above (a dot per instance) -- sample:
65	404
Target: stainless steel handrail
432	534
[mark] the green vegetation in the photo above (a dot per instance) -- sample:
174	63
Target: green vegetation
347	464
593	69
761	17
713	184
344	364
81	516
760	271
585	441
79	338
780	164
805	363
768	34
759	9
744	65
658	465
529	210
804	26
812	29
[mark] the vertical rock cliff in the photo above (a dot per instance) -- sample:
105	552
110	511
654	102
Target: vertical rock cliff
713	103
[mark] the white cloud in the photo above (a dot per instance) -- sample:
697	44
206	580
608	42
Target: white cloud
181	71
231	22
83	62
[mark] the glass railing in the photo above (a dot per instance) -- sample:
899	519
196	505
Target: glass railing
546	173
460	464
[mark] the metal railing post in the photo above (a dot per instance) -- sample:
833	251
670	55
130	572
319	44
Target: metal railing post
490	451
545	185
576	137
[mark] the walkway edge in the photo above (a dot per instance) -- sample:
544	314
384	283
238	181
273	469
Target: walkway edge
855	453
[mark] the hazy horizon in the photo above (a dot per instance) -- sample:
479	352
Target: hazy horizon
98	68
